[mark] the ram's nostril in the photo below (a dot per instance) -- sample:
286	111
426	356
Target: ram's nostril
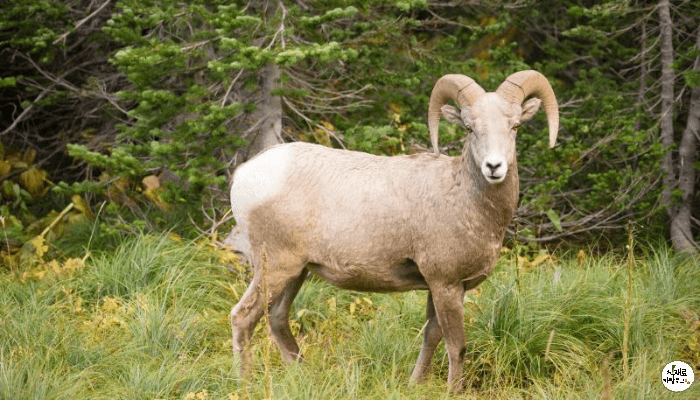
493	167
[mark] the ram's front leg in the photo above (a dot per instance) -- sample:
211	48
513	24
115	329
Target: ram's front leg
432	335
447	299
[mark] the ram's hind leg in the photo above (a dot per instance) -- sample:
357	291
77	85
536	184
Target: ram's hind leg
279	319
271	279
244	317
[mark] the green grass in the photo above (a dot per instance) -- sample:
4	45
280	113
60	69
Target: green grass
149	320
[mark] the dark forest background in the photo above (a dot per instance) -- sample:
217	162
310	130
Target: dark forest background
130	115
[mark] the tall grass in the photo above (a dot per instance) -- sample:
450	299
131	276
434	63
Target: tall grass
149	320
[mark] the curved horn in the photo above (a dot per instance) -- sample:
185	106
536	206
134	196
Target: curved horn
522	84
459	88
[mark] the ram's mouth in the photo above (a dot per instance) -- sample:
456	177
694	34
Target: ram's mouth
492	179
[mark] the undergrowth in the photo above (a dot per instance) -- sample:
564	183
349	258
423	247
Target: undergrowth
150	320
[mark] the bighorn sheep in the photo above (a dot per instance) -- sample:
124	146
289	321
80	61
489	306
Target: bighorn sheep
385	224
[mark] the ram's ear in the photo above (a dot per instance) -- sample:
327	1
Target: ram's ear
530	108
452	114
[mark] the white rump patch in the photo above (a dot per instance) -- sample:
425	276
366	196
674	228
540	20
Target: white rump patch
258	180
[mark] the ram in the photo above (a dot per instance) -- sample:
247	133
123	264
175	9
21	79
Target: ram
386	224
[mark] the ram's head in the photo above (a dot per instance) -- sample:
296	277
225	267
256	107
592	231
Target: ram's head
492	119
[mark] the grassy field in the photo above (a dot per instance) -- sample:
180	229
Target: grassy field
149	320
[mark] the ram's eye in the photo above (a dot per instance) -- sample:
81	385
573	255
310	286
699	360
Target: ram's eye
515	127
468	128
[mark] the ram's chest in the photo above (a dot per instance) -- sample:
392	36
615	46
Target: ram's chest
481	251
453	254
468	249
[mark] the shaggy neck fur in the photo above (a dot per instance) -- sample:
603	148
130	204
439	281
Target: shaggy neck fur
498	201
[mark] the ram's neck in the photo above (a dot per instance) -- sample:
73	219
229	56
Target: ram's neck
498	201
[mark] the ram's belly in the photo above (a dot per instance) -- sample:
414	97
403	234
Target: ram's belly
398	277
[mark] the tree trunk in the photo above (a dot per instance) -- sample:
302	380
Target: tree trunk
681	234
268	115
667	78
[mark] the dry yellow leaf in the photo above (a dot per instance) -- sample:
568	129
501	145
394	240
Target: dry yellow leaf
539	259
154	196
81	205
33	180
5	167
35	274
40	248
227	257
152	191
78	307
581	257
109	322
201	395
10	261
53	266
151	182
29	156
322	137
17	163
110	305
